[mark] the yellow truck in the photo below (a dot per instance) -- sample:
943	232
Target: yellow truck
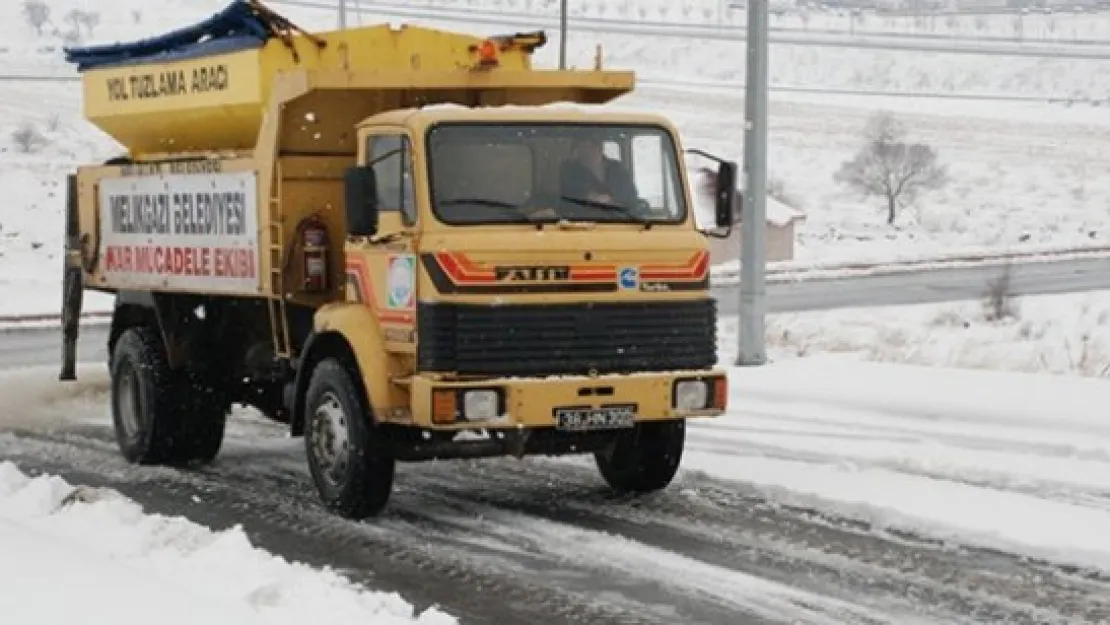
405	243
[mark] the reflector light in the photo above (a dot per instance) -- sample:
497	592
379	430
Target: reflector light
487	52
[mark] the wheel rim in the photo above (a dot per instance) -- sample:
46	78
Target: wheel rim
127	386
331	439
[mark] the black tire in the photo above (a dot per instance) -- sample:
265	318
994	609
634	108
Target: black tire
159	417
644	459
203	420
354	479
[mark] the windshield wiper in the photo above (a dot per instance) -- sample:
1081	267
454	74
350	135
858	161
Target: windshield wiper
507	207
481	202
620	208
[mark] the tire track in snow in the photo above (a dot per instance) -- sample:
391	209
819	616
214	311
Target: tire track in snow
613	554
1073	469
1049	490
798	546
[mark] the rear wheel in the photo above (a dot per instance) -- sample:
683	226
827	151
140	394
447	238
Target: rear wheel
205	405
161	416
350	465
644	459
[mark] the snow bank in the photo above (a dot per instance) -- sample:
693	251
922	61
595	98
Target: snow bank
78	554
1056	334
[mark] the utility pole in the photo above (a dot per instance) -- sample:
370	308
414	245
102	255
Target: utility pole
342	14
563	34
753	252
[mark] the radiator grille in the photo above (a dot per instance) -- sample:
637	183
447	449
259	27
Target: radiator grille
567	339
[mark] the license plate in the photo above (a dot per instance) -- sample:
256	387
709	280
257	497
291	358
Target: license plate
587	418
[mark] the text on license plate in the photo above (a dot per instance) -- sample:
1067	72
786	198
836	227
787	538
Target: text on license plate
588	418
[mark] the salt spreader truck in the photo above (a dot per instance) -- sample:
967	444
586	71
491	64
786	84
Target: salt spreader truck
387	238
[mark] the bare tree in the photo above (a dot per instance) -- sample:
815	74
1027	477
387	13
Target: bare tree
37	13
73	18
889	167
27	138
999	303
90	21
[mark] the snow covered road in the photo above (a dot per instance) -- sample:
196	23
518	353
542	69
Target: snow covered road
813	502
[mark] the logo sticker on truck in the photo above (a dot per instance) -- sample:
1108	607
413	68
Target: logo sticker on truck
402	281
629	278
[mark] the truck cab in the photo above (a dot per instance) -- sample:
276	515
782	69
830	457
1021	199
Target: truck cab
533	275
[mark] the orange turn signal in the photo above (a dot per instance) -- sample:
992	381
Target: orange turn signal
720	393
445	406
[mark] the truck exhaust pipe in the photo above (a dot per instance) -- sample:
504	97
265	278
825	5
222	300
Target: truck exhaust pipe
72	284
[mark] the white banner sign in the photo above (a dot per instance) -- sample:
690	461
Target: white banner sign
196	232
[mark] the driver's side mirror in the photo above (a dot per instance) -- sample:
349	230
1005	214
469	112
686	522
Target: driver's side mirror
725	194
361	195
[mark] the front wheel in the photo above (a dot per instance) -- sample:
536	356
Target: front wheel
351	467
644	459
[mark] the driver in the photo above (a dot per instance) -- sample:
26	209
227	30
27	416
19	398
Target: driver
593	177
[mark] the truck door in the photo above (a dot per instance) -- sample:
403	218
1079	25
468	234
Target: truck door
383	271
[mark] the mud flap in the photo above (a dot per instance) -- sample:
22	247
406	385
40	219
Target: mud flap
72	284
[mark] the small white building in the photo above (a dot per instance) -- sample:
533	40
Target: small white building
782	221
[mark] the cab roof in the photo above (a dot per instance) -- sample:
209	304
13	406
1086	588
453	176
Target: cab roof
424	117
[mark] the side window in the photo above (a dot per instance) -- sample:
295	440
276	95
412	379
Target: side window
654	171
392	158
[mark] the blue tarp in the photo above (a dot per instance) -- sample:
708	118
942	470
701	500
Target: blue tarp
237	27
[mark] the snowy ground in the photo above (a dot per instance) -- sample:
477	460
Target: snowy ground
1024	174
1058	334
95	543
793	66
758	522
1011	461
975	459
975	439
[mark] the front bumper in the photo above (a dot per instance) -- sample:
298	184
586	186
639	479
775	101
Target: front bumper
534	402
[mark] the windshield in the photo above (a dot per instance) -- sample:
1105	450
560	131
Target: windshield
519	173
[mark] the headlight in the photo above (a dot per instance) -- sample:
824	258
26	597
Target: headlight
482	405
691	395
